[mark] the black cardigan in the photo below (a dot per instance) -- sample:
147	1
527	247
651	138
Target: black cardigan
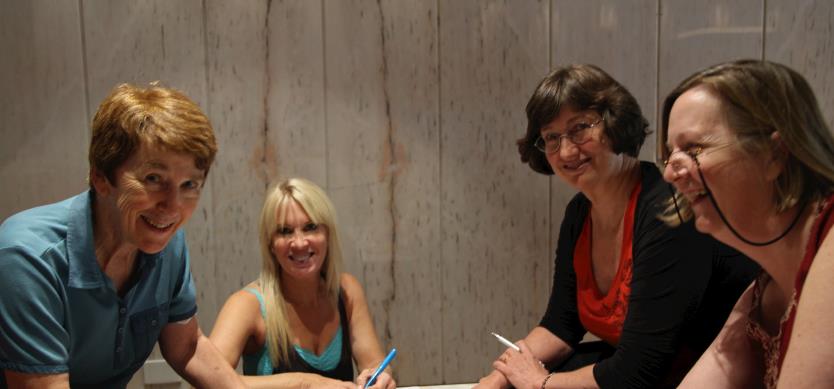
684	285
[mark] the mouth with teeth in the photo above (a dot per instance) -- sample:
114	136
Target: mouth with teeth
301	258
158	225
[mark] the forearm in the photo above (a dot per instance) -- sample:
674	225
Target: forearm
205	367
16	380
287	381
577	379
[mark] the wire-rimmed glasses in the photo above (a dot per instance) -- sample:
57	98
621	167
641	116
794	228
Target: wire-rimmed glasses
578	133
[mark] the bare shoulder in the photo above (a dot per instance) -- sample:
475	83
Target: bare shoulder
244	301
352	290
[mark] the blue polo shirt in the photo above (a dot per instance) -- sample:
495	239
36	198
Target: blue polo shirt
60	313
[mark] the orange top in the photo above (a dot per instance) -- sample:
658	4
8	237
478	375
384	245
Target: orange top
603	315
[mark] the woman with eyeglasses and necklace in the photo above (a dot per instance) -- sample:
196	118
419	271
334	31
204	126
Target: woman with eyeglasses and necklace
656	296
303	322
752	160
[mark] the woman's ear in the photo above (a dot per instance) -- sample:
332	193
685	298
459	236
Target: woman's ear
99	182
778	157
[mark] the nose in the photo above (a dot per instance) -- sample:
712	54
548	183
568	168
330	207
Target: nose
298	239
566	148
674	168
172	199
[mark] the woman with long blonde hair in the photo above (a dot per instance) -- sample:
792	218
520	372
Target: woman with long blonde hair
303	322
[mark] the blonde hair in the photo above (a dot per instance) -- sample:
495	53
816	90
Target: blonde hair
320	211
759	98
131	116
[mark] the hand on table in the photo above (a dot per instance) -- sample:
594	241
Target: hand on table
383	380
522	369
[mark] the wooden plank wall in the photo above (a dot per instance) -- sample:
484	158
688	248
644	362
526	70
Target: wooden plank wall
406	112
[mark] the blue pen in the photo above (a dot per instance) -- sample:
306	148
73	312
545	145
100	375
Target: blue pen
381	367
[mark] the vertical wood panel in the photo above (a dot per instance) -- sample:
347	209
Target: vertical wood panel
412	164
139	42
697	34
800	34
43	122
494	209
237	85
358	135
296	138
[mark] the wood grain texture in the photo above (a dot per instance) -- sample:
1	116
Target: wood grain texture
236	98
494	221
43	121
800	34
694	35
411	165
296	136
358	148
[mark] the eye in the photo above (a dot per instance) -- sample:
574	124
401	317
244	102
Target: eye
153	178
579	128
284	231
551	137
310	227
192	184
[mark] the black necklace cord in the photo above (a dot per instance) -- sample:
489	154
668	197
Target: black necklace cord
733	230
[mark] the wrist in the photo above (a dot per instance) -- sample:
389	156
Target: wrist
546	378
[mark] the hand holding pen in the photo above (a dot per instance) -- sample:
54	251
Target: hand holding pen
379	374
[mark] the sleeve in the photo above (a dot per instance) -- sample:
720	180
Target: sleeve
562	316
671	270
32	315
183	303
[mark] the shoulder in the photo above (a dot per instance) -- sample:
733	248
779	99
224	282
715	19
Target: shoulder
37	229
351	288
353	294
244	301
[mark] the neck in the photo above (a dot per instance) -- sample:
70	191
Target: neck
109	246
301	292
610	201
781	259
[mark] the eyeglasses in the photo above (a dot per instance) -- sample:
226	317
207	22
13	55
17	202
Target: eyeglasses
579	133
684	159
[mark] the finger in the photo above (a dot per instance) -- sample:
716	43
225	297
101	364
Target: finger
524	347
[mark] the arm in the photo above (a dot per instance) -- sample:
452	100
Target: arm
240	329
195	358
807	362
16	380
541	345
367	352
731	361
34	342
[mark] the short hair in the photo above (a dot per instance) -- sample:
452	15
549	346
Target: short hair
320	210
759	98
131	116
583	87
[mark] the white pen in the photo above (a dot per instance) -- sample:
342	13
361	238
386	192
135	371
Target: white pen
506	342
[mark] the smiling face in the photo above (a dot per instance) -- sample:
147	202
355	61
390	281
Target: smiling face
154	194
740	184
298	244
583	166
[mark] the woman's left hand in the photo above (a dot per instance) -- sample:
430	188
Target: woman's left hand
383	380
522	369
